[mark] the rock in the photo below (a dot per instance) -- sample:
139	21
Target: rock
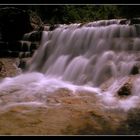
34	36
135	70
134	21
19	46
130	21
125	90
82	24
35	20
13	23
9	68
24	54
132	121
53	27
123	21
20	49
123	87
34	46
46	27
22	64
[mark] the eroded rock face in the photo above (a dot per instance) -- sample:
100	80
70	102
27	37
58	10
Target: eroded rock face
13	23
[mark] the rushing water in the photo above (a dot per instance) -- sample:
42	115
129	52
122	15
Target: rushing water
80	57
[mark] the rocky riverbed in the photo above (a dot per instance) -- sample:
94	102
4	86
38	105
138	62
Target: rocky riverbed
64	112
10	67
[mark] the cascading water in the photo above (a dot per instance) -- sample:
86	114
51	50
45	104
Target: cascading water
80	58
87	55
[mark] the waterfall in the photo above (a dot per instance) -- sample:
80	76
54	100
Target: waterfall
80	57
88	55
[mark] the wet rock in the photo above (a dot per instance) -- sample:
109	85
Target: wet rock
125	90
22	46
134	21
46	27
22	64
130	21
34	36
53	27
24	54
17	48
81	25
14	23
135	70
124	21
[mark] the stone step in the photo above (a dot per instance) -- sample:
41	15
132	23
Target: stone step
33	36
15	54
23	46
3	46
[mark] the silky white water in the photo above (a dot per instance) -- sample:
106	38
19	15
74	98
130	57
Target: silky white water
79	58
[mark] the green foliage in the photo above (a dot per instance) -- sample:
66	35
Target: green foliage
75	13
54	14
129	11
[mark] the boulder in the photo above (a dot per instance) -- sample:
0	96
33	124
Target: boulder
14	23
123	87
123	21
125	90
135	70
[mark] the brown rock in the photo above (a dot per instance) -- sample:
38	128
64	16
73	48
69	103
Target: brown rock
135	70
125	90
